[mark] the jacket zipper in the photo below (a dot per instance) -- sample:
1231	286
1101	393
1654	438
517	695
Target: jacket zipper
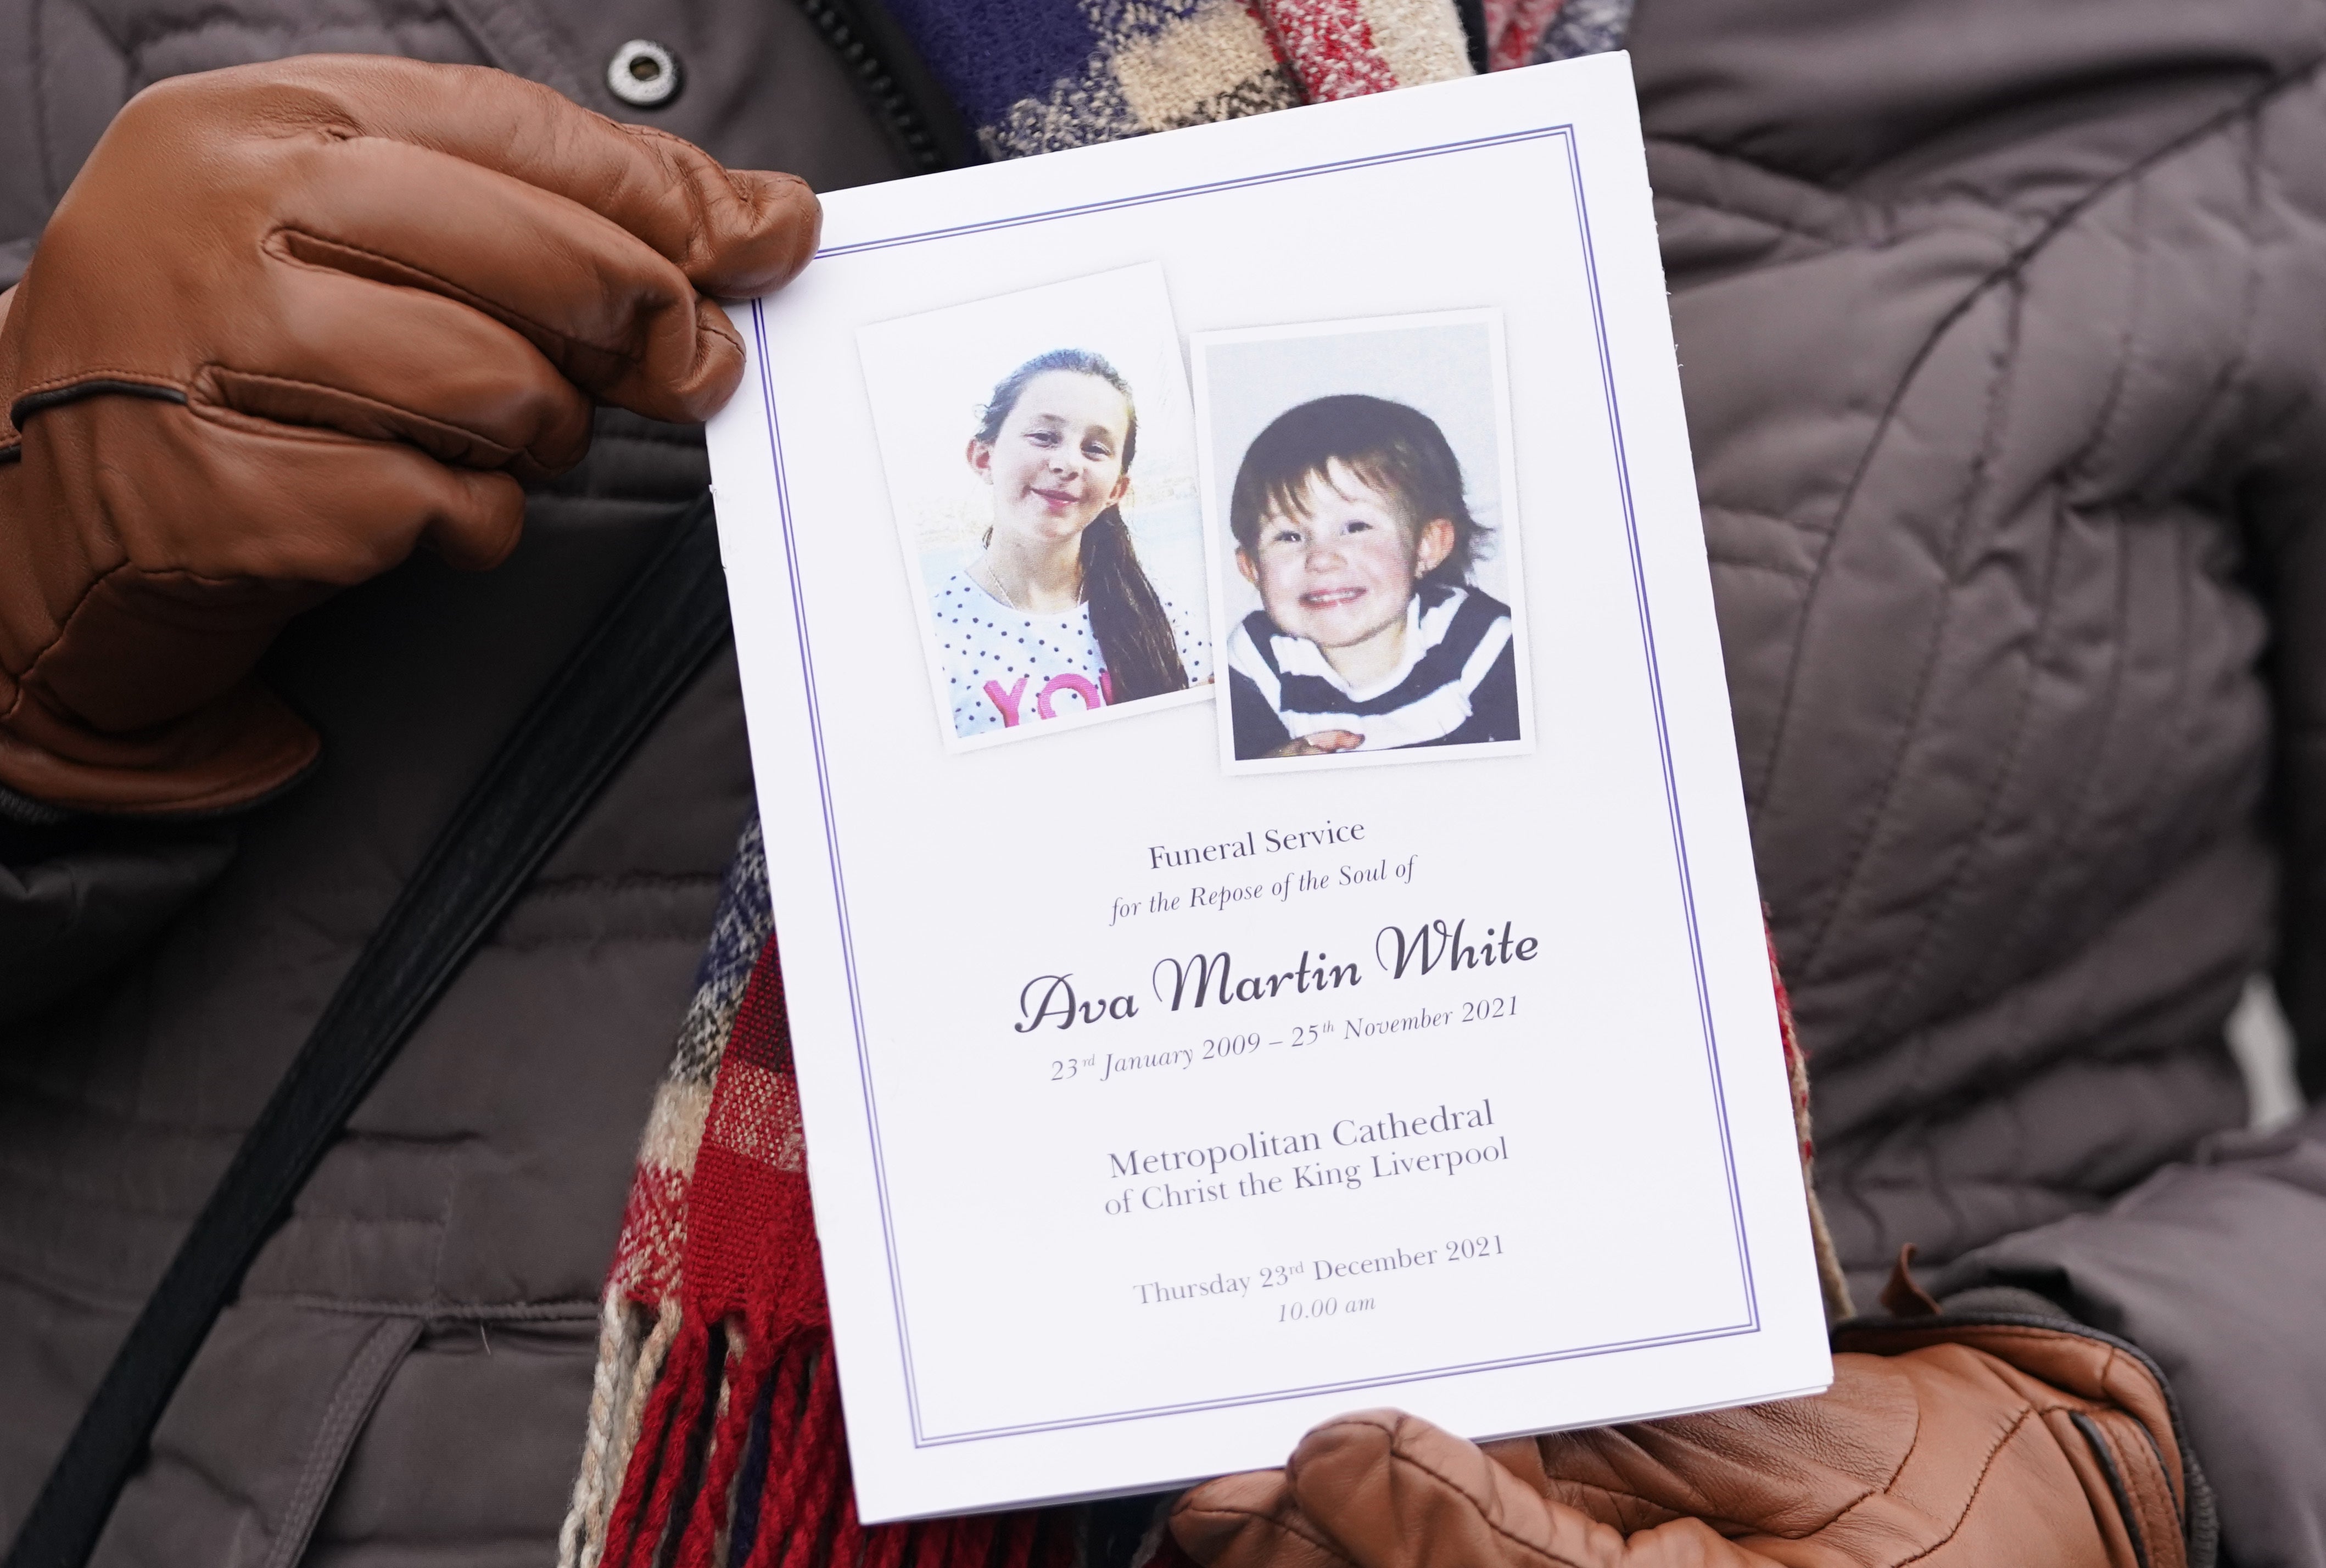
877	52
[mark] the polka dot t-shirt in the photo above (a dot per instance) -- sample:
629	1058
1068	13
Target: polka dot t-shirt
1005	668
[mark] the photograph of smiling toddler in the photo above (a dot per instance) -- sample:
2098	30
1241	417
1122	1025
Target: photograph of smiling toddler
1359	475
1039	457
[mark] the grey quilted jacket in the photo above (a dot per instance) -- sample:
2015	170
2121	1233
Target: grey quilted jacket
2003	333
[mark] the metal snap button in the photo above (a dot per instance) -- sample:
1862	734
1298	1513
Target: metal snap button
643	73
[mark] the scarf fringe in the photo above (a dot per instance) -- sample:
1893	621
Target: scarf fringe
650	1482
633	1340
614	1356
727	1445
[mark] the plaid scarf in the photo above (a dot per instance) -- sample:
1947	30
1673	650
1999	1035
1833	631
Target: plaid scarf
1033	76
716	1437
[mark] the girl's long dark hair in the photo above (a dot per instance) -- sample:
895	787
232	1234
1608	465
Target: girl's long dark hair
1134	635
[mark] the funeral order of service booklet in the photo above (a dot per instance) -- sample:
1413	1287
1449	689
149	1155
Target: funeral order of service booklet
1261	872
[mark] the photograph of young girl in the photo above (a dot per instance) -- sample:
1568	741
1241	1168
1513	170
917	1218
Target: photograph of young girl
1360	484
1039	457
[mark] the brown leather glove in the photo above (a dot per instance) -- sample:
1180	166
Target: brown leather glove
1942	1444
290	321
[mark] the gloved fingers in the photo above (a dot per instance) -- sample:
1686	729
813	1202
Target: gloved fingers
145	621
1784	1466
393	364
748	230
2133	1503
731	232
1395	1491
476	528
310	506
2038	1362
1250	1521
320	508
177	617
1521	1456
609	314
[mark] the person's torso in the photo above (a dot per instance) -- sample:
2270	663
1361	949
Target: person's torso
1978	313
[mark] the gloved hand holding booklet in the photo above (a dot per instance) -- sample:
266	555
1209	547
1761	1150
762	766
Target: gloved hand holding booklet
1266	912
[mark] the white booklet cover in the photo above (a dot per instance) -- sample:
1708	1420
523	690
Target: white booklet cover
1262	875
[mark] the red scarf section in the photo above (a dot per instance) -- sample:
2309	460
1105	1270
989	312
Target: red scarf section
739	1457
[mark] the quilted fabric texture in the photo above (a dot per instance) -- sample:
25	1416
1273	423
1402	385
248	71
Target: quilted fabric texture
2007	441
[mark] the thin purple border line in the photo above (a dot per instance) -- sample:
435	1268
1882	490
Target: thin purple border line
1663	736
1211	188
831	847
1113	1417
1680	841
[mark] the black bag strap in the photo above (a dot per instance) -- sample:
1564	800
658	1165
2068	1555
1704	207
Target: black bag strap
581	727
